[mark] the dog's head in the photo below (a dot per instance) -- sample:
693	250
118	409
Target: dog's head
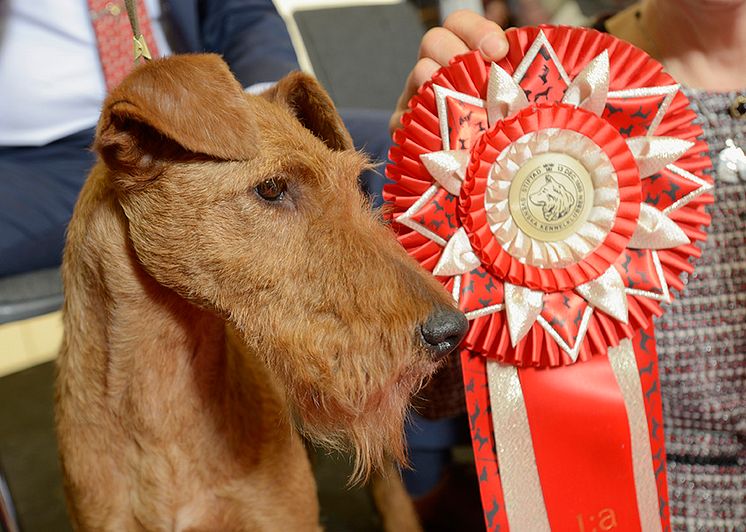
553	198
248	206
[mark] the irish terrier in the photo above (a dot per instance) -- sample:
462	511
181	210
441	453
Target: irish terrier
229	292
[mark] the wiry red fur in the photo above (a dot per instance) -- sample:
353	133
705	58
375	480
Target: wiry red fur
205	327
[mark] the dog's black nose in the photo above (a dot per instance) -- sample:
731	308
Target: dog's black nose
443	331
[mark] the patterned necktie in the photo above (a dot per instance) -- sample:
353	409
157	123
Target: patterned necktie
114	37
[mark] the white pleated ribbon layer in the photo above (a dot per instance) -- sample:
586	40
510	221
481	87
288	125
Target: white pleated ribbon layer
580	244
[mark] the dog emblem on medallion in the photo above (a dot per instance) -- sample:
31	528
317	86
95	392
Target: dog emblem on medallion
551	196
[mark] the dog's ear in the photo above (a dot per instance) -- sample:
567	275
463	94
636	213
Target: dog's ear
188	103
313	108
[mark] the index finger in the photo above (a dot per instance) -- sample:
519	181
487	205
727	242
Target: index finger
478	33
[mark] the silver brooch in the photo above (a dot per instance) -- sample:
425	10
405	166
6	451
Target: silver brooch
731	165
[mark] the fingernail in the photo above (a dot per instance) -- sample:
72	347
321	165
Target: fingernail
493	46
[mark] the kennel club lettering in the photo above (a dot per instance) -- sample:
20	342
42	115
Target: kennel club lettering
551	198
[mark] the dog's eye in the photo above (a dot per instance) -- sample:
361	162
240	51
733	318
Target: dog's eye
271	189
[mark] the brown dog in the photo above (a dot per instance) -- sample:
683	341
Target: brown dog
227	288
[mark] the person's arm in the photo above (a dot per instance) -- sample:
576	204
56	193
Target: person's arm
462	31
251	36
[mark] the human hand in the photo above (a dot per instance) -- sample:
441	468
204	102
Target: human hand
462	31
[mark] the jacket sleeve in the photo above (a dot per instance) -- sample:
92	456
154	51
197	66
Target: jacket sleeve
251	36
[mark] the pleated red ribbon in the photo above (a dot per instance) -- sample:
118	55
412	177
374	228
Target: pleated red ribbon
592	414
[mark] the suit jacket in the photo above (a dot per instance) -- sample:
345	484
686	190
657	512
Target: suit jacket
249	34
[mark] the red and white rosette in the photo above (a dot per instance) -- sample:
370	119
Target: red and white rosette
558	195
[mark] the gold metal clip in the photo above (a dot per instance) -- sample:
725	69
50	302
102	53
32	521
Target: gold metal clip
141	48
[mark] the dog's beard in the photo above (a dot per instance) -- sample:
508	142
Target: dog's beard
370	425
350	392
